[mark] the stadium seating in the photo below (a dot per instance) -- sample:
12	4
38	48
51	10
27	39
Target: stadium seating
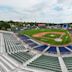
63	50
68	63
33	44
41	48
69	46
52	49
12	44
21	56
46	62
28	41
23	37
14	48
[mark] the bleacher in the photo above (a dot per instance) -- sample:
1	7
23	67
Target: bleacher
23	37
68	63
63	50
14	48
28	41
52	49
69	46
21	56
33	44
12	44
41	48
46	62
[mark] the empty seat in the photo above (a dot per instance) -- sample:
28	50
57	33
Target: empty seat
41	48
23	37
63	50
52	49
33	44
69	46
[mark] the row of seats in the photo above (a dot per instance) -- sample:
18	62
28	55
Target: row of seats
12	44
21	56
68	62
46	62
23	37
70	47
41	48
27	40
63	50
14	48
52	49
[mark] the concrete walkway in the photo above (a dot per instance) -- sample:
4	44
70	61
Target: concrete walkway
62	64
61	61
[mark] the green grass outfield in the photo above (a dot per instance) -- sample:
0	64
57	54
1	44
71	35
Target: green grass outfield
47	38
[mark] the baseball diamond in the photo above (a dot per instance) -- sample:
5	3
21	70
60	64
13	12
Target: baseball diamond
49	36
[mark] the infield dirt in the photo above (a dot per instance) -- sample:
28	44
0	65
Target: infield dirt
44	33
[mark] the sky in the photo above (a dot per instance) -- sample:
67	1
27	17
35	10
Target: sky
52	11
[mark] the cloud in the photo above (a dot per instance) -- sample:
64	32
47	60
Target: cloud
57	11
18	3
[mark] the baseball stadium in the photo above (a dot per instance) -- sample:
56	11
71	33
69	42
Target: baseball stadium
36	48
35	35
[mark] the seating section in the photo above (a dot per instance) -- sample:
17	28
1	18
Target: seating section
23	37
68	63
14	48
33	44
63	50
21	56
28	41
69	46
12	44
41	48
47	62
52	49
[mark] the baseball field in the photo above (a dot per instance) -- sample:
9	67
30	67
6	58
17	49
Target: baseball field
49	36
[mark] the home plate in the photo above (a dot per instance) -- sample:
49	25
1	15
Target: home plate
58	39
